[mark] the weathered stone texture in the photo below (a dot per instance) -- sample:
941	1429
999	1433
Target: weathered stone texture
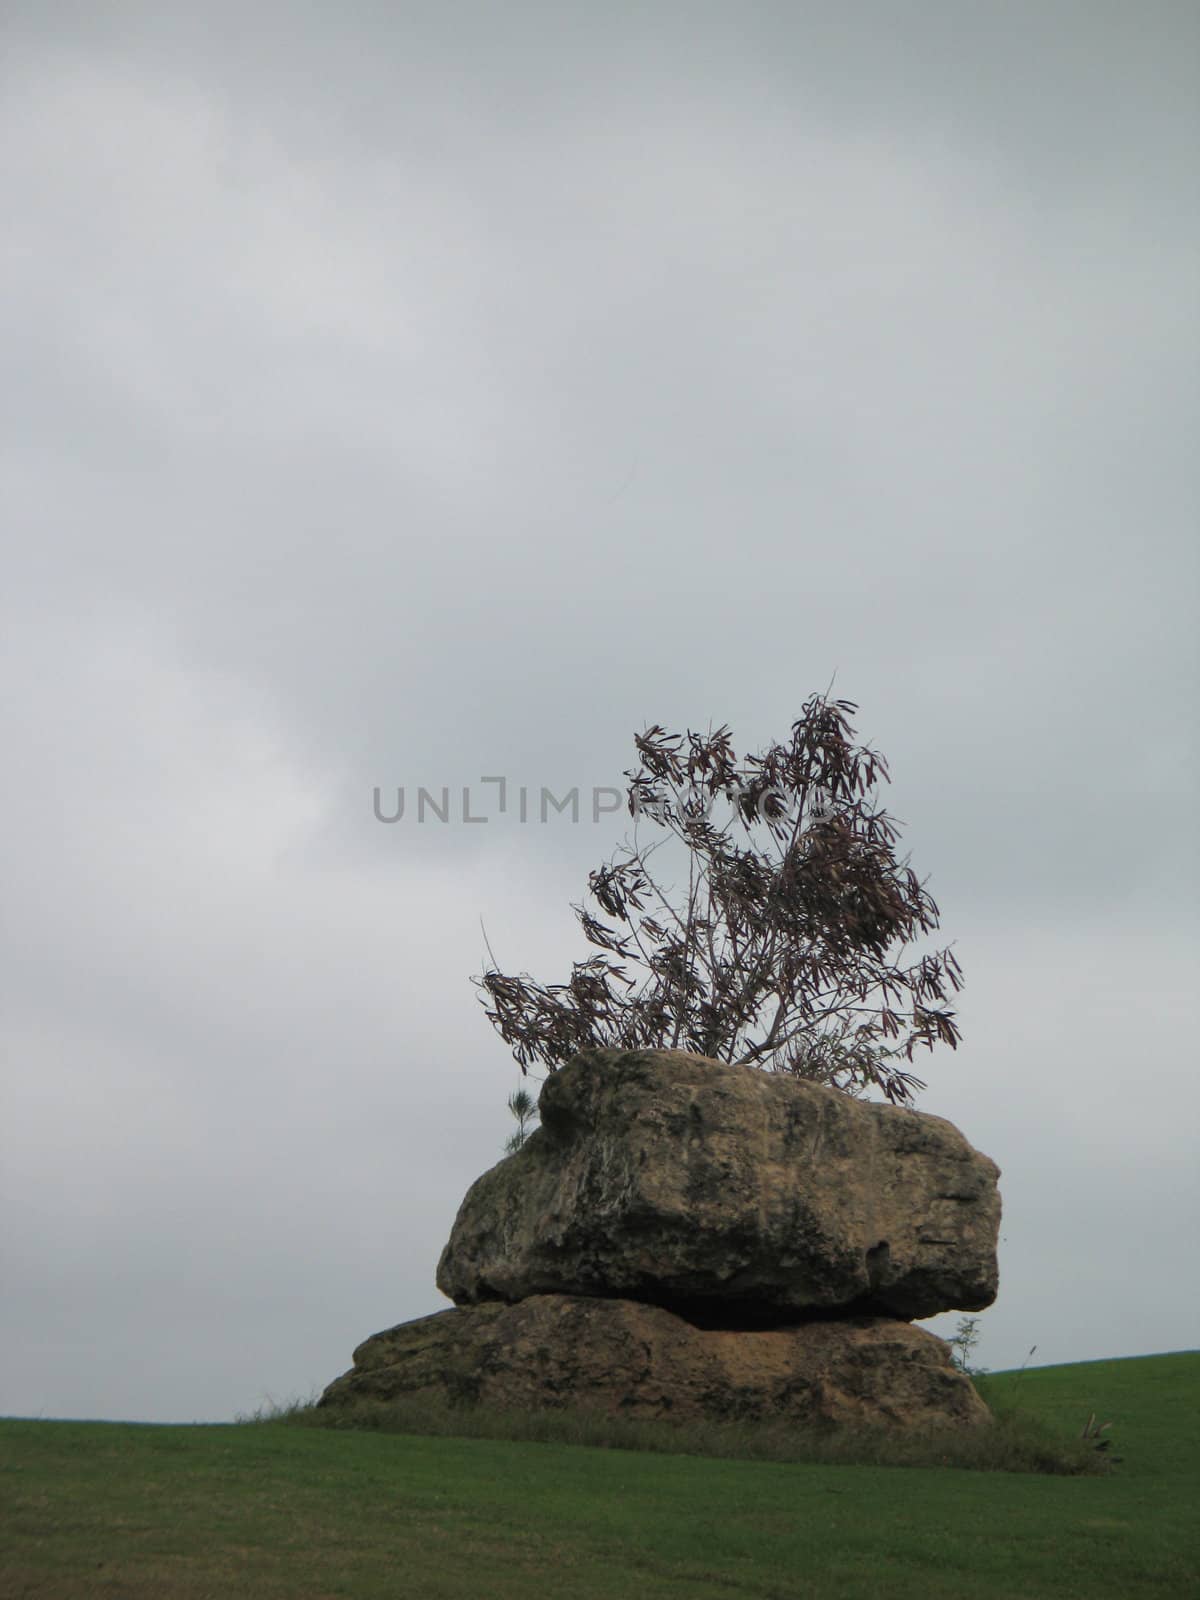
731	1195
634	1360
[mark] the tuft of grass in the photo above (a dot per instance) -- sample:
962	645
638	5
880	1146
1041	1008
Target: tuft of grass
1142	1399
1016	1441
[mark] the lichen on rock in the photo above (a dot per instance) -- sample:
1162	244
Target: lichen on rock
662	1176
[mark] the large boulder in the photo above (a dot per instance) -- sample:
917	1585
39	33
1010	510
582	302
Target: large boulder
731	1195
627	1359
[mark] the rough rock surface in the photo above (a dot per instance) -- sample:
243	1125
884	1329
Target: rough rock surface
727	1193
634	1360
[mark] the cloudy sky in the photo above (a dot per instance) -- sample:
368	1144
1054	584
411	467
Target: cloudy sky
399	395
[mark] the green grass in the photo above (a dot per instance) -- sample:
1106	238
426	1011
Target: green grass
284	1509
1019	1441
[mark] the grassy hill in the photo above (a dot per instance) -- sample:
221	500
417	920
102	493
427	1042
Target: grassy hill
273	1508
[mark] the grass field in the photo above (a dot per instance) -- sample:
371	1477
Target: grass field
274	1509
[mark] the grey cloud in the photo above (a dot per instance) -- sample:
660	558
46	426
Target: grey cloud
402	395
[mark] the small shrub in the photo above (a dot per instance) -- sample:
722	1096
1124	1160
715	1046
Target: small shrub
962	1347
524	1108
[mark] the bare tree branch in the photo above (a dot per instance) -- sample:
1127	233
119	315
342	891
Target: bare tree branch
780	945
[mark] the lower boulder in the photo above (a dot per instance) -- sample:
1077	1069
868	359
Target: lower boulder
629	1359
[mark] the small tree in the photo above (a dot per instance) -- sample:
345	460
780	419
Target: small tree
779	953
523	1107
962	1347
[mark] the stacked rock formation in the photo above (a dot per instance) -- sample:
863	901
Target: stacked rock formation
683	1238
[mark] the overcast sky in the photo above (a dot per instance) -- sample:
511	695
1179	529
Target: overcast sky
398	395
